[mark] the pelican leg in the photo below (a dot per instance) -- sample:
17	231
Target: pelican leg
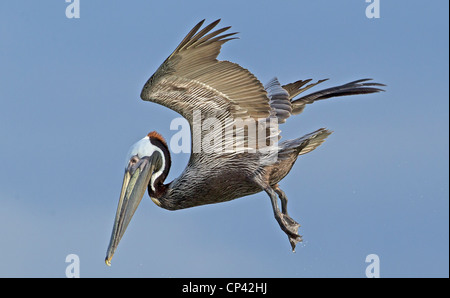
283	199
287	224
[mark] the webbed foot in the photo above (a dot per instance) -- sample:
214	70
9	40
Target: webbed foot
290	227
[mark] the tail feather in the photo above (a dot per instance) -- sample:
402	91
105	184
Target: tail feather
305	144
315	141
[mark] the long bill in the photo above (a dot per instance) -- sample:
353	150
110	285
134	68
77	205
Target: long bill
135	182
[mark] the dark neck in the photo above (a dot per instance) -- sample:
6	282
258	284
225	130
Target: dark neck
158	184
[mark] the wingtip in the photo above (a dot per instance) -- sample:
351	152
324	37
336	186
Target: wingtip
214	23
199	24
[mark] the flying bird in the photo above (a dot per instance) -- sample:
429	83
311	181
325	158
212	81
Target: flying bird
244	161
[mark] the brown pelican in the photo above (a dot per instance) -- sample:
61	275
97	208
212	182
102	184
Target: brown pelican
192	82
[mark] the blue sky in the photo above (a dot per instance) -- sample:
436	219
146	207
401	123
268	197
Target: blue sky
70	109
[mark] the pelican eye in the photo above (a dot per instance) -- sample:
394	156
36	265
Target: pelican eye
134	160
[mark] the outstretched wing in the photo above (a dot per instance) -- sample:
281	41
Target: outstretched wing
192	79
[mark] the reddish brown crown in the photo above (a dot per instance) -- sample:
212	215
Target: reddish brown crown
157	136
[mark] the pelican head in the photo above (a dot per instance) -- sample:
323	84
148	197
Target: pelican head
147	165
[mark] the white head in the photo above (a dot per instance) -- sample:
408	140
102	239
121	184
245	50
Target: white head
141	149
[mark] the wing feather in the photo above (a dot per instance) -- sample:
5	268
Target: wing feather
351	88
192	78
